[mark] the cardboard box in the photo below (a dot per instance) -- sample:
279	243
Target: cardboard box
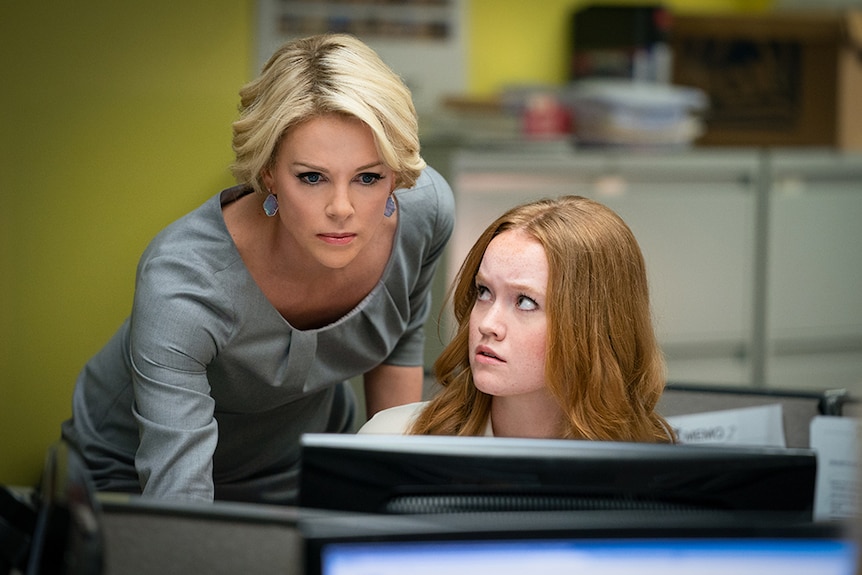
778	79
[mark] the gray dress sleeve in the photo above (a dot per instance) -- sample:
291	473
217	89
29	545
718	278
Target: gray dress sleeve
177	323
411	346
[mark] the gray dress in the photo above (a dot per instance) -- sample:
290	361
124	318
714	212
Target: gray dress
205	390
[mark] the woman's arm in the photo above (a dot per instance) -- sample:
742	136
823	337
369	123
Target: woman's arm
391	385
177	320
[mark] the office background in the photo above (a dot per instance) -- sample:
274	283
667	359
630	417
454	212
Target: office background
116	120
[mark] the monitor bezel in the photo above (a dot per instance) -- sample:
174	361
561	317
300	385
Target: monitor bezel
363	473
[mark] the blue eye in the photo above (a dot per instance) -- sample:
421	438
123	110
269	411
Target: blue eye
369	178
310	177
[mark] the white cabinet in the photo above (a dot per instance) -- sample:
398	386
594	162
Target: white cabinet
751	255
814	273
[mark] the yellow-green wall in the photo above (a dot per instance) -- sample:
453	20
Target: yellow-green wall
114	120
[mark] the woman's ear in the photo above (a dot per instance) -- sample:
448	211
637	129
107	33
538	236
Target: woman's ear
266	178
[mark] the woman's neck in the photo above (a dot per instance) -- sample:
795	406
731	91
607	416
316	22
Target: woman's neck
536	416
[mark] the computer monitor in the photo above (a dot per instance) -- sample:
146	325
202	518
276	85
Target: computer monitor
396	474
476	544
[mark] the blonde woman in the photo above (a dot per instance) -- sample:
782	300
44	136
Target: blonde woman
252	312
554	334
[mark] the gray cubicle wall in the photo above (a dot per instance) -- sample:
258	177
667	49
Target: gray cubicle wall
798	407
144	537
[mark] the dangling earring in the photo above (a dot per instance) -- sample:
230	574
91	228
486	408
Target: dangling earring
270	205
390	207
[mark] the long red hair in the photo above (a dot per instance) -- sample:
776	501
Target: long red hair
604	366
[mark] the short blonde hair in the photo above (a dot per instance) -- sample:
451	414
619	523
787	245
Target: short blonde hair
318	75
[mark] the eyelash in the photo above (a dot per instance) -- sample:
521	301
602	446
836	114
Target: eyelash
480	290
533	303
305	176
375	178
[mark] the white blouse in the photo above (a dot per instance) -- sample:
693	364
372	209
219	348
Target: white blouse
397	420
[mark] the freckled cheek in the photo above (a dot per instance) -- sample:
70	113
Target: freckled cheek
534	348
473	328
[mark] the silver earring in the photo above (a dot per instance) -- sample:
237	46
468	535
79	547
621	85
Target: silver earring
270	205
390	207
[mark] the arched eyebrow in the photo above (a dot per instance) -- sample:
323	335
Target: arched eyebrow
312	167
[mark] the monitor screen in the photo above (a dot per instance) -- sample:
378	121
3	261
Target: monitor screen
546	542
395	474
593	557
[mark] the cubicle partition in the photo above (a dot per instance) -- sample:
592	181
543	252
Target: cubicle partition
798	408
145	537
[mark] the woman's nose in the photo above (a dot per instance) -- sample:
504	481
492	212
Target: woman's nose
340	204
491	322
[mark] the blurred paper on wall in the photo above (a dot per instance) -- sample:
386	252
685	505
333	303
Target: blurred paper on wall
760	425
422	40
836	441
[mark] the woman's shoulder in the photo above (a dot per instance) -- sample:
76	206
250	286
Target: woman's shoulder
200	237
395	420
429	206
193	257
431	190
